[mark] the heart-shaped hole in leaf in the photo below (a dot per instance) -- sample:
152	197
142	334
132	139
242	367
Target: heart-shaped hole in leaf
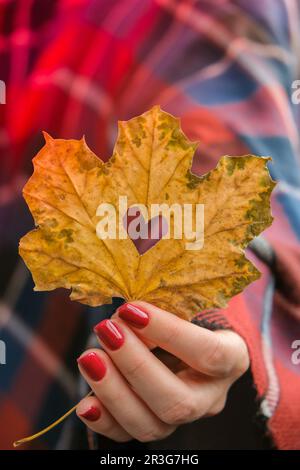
144	234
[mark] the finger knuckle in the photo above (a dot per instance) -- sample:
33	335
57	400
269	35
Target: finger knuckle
133	370
218	407
182	411
147	437
151	435
170	334
111	397
221	361
242	363
112	431
107	428
122	438
216	359
156	434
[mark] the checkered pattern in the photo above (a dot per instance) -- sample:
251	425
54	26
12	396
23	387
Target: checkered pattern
74	67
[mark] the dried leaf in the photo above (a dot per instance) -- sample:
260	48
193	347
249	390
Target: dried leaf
150	165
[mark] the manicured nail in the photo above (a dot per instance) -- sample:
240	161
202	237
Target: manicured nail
92	414
92	365
110	334
133	315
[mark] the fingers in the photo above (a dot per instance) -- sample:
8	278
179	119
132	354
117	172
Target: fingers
218	354
137	395
118	398
159	388
98	419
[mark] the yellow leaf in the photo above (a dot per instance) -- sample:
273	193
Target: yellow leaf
150	164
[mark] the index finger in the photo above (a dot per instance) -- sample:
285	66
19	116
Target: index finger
213	353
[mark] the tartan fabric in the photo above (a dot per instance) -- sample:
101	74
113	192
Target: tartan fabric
74	67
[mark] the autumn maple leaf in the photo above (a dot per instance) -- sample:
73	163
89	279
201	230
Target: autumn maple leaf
150	164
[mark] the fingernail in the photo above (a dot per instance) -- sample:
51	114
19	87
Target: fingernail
93	366
92	414
136	316
110	334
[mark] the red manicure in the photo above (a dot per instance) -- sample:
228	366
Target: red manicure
93	366
136	316
92	414
110	334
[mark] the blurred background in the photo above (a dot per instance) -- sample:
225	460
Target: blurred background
74	67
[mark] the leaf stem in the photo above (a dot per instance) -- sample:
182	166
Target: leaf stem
48	428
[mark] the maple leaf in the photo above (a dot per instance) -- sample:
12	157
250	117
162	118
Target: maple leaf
150	164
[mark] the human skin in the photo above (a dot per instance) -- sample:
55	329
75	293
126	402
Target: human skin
144	393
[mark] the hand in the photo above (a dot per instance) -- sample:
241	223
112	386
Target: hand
136	395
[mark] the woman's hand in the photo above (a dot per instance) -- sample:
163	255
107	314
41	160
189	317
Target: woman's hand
136	394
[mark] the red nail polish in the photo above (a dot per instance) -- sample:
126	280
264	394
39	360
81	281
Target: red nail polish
92	414
134	315
110	334
93	366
